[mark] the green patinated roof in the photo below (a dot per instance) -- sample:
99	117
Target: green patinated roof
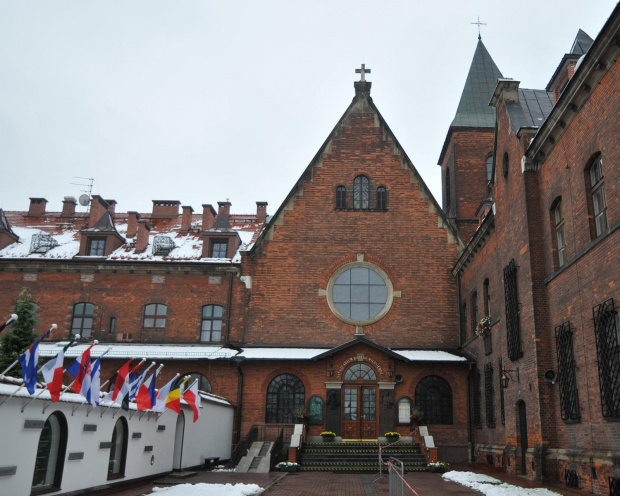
473	109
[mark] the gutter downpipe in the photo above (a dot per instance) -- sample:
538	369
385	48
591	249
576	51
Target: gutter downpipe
468	380
238	362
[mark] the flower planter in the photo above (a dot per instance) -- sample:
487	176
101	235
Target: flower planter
328	439
392	439
436	470
289	469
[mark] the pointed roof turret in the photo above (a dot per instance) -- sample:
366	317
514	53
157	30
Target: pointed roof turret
473	109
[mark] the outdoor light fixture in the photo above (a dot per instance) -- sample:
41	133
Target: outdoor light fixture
506	377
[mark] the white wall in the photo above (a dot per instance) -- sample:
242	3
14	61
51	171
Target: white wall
210	436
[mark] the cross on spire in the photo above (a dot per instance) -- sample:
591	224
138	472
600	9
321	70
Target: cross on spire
362	71
479	24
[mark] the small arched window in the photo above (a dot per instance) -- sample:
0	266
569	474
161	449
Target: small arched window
361	193
203	382
155	316
341	197
473	310
82	322
487	298
447	191
505	165
557	212
285	397
211	326
597	197
433	395
50	459
490	167
360	371
381	198
118	450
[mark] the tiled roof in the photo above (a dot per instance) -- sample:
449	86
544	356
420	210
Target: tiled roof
473	109
532	110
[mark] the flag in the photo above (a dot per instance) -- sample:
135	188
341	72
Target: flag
192	398
80	369
134	385
29	361
174	397
145	399
121	385
162	396
92	395
52	374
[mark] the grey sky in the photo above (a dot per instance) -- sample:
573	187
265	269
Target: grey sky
200	101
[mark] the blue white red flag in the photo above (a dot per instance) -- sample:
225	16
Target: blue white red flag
29	361
92	395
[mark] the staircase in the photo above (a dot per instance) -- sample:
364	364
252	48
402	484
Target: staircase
358	457
258	459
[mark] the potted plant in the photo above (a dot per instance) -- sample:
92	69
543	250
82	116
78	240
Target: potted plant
392	437
483	328
438	467
328	436
416	417
287	466
301	413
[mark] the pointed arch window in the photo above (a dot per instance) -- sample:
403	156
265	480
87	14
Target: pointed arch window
433	395
118	450
558	226
50	458
285	395
381	198
598	199
505	165
361	193
341	197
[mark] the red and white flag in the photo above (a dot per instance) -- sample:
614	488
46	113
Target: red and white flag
52	373
192	398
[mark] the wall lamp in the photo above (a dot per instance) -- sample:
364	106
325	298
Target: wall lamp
506	377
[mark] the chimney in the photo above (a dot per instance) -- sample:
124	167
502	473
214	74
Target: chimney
186	218
208	217
261	210
223	208
165	209
98	207
37	206
112	206
68	206
142	240
132	224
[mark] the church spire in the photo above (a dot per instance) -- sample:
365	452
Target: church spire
473	109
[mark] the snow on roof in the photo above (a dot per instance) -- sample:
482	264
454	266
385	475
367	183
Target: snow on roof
281	353
429	356
152	351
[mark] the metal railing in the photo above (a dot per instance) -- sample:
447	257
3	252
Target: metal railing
397	482
275	433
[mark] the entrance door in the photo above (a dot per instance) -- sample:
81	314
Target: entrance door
359	412
523	435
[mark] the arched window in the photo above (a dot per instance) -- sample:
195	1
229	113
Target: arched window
558	226
50	459
341	197
490	167
285	395
361	193
382	200
82	322
404	410
597	201
211	327
505	165
118	450
203	382
473	310
360	371
155	316
433	395
447	191
487	298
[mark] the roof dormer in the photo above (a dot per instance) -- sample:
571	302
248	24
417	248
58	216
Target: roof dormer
101	239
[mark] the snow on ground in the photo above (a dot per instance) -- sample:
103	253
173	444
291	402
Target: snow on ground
209	490
490	486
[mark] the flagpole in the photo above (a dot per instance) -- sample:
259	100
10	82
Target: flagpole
132	370
159	414
54	326
12	318
155	374
139	386
180	395
85	400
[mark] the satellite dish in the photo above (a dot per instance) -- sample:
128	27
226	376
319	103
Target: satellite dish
84	200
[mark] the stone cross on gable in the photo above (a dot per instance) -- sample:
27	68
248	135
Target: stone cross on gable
479	24
363	71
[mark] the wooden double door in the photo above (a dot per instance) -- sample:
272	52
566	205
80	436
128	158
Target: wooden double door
359	412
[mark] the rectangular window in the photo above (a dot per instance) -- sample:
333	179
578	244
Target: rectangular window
463	322
559	233
607	333
569	401
598	197
488	395
219	249
96	247
473	308
511	296
112	326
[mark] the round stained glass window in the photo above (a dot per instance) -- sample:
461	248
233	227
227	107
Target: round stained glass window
359	293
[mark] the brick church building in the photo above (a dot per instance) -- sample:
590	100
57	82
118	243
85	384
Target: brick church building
361	298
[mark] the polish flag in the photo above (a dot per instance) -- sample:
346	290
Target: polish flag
192	398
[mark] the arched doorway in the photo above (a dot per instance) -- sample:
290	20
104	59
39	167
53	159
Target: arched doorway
50	454
118	450
178	442
359	403
522	433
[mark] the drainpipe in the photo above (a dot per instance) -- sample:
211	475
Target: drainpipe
460	309
238	362
469	433
228	309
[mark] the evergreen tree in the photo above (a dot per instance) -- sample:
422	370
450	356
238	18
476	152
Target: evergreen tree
21	334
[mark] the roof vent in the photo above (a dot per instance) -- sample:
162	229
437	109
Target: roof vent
42	243
162	245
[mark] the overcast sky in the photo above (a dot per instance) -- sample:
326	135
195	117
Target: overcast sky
203	101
